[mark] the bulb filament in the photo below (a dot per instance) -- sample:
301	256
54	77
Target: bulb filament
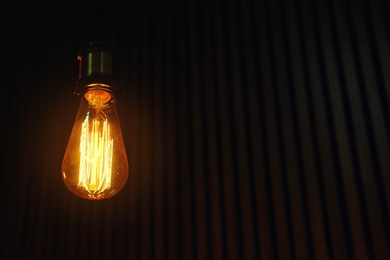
96	149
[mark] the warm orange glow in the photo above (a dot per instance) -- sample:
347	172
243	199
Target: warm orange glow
97	97
95	163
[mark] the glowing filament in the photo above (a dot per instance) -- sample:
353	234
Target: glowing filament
96	149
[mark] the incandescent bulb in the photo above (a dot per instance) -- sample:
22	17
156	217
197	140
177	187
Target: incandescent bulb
95	163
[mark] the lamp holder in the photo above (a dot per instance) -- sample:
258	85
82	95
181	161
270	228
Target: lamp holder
96	69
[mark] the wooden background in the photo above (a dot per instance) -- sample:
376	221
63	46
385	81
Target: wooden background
254	130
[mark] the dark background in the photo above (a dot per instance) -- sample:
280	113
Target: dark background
254	130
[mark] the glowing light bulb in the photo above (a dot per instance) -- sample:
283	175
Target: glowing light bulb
95	163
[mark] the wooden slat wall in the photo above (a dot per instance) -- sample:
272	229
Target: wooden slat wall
254	130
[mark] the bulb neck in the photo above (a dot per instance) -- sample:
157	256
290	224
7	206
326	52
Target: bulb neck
96	69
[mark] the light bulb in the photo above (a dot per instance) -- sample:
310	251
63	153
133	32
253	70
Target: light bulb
95	164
